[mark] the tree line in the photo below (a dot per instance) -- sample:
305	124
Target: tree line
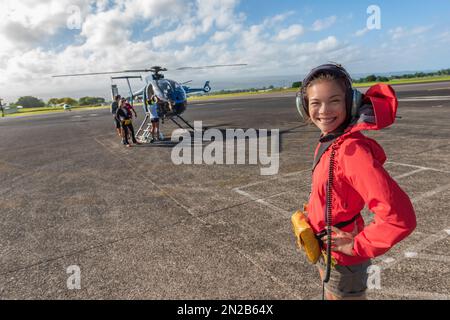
375	78
33	102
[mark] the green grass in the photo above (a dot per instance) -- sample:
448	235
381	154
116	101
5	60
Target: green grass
406	81
18	114
238	94
45	110
365	84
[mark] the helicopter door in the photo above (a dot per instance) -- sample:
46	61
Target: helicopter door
150	92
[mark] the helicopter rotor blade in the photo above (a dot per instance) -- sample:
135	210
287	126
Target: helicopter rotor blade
98	73
212	66
155	69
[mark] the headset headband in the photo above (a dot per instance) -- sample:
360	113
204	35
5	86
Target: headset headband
338	72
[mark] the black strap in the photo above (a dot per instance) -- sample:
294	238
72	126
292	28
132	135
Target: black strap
322	148
339	225
325	142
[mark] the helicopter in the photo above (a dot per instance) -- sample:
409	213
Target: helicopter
171	95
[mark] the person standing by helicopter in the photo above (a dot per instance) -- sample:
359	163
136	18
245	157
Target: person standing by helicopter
154	117
114	108
129	107
1	108
124	116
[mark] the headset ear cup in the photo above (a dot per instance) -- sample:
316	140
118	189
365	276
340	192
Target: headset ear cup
357	98
300	108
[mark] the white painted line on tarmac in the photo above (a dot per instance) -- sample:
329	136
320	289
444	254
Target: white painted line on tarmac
430	97
411	254
425	98
285	213
415	166
388	260
109	144
425	243
270	179
430	257
431	193
436	89
442	127
409	173
414	250
268	273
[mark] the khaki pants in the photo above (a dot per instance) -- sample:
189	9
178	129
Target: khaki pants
346	282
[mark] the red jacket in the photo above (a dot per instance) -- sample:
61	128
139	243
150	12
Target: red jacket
129	107
360	180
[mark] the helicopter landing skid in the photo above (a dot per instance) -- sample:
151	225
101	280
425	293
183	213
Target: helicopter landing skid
182	119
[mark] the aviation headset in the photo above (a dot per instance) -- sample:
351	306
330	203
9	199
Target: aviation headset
353	96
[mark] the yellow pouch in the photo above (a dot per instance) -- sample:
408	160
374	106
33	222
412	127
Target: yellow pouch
126	122
306	239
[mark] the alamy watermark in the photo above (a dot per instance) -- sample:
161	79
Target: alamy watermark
74	280
374	19
74	21
374	279
228	147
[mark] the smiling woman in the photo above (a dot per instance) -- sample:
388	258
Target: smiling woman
326	98
348	175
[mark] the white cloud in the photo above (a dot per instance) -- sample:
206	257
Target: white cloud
322	24
444	37
218	13
291	32
401	32
182	34
278	18
23	24
361	32
152	9
105	29
205	16
397	33
221	36
328	43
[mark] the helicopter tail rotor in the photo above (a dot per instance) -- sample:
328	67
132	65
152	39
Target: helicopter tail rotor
207	87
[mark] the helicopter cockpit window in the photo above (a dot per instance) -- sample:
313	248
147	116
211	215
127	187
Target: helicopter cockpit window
171	90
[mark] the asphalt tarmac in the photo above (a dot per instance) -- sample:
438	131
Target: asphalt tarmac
137	226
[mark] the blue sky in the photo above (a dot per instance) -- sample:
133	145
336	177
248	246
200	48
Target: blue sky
276	38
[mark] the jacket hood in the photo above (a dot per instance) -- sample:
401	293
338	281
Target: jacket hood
377	110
